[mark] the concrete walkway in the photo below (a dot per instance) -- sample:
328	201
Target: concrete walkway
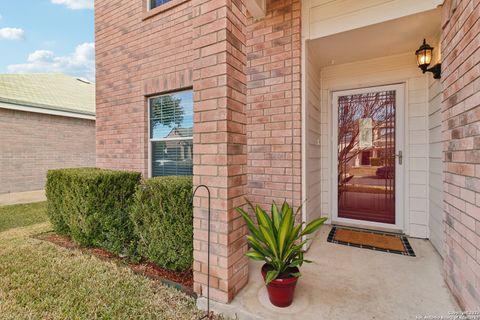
22	197
353	283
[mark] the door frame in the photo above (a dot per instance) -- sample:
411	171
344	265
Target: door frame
400	170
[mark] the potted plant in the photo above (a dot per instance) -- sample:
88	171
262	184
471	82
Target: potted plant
278	240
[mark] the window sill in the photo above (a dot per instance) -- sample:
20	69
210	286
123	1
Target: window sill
164	7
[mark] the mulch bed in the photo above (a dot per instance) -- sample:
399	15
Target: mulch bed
153	271
180	280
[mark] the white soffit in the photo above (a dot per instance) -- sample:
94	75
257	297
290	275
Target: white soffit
328	17
393	37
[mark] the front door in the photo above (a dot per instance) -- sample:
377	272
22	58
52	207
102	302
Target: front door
368	154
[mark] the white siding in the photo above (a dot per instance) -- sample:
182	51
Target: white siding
313	138
383	71
437	236
326	17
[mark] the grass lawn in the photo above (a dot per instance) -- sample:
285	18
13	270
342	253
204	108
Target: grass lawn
22	215
39	280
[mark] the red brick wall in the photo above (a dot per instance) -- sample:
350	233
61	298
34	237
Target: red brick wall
211	46
199	44
32	143
274	104
220	144
138	53
461	129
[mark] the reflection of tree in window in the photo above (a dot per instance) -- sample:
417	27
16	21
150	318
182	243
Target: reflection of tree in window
385	131
378	106
348	136
166	111
171	134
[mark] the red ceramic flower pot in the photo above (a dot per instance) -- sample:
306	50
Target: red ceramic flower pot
282	289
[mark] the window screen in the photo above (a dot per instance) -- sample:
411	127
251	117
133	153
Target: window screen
171	134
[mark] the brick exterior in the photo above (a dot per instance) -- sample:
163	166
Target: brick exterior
219	84
274	104
212	47
461	129
245	75
32	143
138	53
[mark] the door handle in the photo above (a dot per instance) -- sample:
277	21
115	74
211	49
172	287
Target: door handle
399	155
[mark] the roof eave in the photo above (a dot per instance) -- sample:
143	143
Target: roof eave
49	111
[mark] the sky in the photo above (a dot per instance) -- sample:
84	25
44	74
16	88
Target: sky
47	36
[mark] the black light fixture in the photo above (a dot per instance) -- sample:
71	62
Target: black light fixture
424	58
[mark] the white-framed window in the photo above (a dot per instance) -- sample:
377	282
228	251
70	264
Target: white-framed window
171	134
152	4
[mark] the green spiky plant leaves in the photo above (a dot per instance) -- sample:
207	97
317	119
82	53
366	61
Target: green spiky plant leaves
277	239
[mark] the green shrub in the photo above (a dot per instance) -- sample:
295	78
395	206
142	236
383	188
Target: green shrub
376	161
92	206
163	220
112	210
55	191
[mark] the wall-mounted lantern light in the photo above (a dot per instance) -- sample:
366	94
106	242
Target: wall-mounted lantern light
424	58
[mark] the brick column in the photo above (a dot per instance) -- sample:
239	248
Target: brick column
274	118
219	85
461	132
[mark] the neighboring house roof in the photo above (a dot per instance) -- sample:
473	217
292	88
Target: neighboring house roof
53	93
181	132
185	132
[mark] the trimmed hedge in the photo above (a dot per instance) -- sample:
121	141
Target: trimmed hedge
92	206
163	221
113	210
376	161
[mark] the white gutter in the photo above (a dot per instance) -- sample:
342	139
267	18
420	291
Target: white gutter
46	111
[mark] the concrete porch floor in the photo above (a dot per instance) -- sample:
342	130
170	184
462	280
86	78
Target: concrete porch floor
352	283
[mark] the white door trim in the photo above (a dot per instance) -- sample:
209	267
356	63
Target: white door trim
400	171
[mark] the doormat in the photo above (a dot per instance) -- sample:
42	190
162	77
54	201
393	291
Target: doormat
373	240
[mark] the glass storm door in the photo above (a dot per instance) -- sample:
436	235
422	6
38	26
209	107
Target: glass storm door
366	155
